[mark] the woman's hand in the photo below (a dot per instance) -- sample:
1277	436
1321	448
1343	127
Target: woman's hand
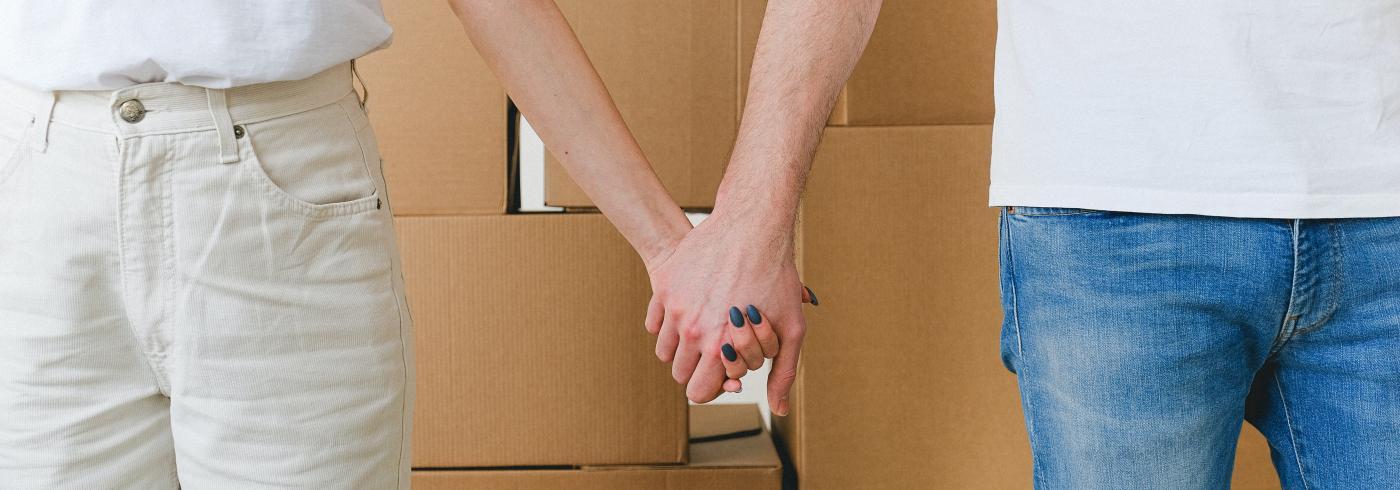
725	299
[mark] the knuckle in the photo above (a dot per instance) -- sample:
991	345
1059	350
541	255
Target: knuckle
782	379
692	332
742	341
694	394
713	351
769	342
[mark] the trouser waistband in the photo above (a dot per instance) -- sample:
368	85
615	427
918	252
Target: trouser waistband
170	107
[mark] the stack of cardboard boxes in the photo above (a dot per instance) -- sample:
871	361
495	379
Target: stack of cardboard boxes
533	368
901	384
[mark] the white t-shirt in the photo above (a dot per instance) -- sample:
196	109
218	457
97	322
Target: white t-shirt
92	45
1277	109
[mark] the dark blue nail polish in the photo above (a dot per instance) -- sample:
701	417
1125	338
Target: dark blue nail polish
754	317
735	317
811	295
729	353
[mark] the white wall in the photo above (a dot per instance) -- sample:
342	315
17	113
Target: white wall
532	199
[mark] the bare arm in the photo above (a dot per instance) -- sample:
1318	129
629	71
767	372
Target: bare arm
535	54
743	254
806	52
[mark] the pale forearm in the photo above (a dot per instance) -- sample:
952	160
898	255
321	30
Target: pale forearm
806	51
535	54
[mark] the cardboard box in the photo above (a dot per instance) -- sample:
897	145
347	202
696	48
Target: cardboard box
672	67
744	462
439	114
927	63
530	345
891	216
898	238
1254	468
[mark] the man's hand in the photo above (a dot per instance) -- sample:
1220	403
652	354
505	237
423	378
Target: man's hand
742	255
732	282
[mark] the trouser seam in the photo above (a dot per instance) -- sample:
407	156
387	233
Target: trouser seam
1334	295
1037	470
122	264
1290	319
396	286
355	134
1292	439
1011	271
167	267
404	413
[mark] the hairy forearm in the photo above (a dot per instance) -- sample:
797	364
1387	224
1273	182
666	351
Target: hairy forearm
806	52
532	50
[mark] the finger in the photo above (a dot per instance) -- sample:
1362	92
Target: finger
734	366
744	341
687	354
784	372
762	330
708	378
655	312
733	386
667	340
808	296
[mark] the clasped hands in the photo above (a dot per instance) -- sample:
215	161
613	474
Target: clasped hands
725	298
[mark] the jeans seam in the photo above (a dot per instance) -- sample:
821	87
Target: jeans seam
1289	318
1037	471
1292	439
1011	271
1334	294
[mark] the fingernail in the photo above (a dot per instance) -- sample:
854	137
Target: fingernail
735	317
782	407
729	353
754	316
811	294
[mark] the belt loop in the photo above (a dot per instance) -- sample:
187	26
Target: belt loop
364	89
223	124
42	120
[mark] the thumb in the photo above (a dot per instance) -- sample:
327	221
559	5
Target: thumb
784	373
655	312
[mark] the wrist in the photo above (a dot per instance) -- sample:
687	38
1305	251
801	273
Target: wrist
663	239
769	227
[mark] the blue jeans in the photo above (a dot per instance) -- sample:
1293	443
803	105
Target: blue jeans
1141	342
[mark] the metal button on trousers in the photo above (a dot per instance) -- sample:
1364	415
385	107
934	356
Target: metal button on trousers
132	111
